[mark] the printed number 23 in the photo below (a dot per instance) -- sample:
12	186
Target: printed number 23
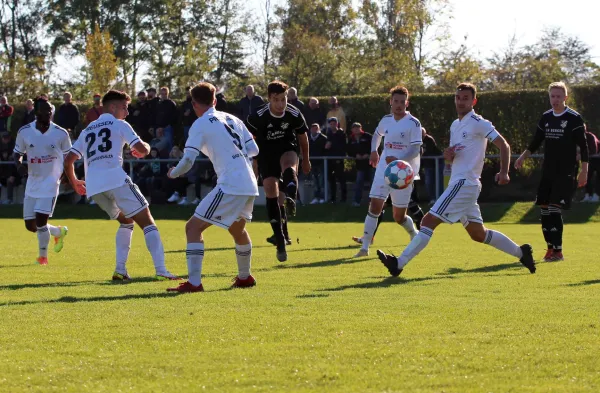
105	146
236	137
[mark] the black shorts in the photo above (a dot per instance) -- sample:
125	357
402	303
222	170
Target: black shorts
557	190
269	164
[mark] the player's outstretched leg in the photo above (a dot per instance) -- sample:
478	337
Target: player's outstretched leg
556	232
414	210
122	247
243	254
194	253
405	221
498	240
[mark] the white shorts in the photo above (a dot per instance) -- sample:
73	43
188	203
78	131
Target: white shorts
458	203
127	199
222	209
380	190
37	205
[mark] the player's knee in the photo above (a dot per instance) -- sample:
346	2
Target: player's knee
429	221
289	175
477	235
376	206
399	216
30	226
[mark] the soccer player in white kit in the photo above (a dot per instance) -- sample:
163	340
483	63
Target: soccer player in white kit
402	141
468	141
45	145
106	183
226	141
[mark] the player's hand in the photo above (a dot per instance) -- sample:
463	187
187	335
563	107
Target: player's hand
374	159
582	179
22	170
502	178
79	186
169	173
306	166
449	154
390	159
137	154
519	162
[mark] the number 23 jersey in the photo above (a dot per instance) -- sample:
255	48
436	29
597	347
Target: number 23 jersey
101	147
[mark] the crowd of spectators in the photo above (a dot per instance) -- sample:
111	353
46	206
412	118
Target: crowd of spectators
155	117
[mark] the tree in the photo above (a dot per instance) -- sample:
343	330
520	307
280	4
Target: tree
101	59
456	66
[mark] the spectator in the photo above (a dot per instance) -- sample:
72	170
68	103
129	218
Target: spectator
6	112
151	175
335	110
249	103
166	115
359	147
336	147
95	111
152	105
9	177
141	118
430	149
592	194
221	102
313	113
187	114
293	99
67	115
161	143
29	115
316	143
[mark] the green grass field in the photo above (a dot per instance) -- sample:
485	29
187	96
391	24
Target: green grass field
463	317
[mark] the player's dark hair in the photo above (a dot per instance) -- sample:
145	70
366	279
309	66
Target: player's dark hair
276	87
115	95
203	93
399	90
44	104
468	87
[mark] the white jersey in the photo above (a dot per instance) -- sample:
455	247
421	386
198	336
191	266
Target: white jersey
101	146
469	138
45	158
222	138
398	136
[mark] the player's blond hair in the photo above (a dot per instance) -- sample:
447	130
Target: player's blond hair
558	85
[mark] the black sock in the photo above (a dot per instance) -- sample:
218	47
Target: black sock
274	215
557	226
546	225
379	219
416	213
290	181
284	222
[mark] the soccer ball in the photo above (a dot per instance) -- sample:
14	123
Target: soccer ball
399	175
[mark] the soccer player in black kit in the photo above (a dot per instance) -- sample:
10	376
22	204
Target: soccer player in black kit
562	130
279	129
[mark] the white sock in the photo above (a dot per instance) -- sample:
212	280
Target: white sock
54	231
43	239
243	253
370	226
155	246
415	246
123	243
409	226
501	242
195	253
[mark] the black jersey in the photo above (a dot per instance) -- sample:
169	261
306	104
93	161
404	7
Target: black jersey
561	135
277	133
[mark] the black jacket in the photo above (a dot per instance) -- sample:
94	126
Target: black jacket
298	104
313	116
222	104
338	143
166	113
429	149
246	106
28	117
141	119
361	146
67	116
316	148
189	118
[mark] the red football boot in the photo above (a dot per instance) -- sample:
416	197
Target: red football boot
186	287
243	283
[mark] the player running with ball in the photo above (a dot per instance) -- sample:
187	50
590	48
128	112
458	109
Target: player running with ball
468	141
226	141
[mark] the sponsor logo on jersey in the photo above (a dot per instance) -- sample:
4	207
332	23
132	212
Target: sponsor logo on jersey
284	126
546	124
464	134
102	157
459	147
395	145
402	135
30	145
270	125
42	160
52	146
563	124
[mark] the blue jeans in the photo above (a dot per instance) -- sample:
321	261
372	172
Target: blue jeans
318	181
361	177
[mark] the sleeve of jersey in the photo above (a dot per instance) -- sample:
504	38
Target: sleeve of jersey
66	144
194	141
252	122
488	130
249	142
538	137
20	145
129	134
416	137
579	132
301	127
77	148
186	163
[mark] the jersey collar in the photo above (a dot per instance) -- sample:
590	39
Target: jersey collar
560	114
210	111
277	117
106	116
467	116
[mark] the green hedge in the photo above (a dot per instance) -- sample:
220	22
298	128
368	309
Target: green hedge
514	113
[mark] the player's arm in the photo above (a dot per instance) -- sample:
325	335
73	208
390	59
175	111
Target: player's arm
190	152
69	167
502	177
18	152
249	142
375	143
139	148
581	140
536	142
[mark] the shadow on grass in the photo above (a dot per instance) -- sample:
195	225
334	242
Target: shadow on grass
385	283
73	299
312	296
483	269
13	287
232	248
14	266
326	263
580	284
496	211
